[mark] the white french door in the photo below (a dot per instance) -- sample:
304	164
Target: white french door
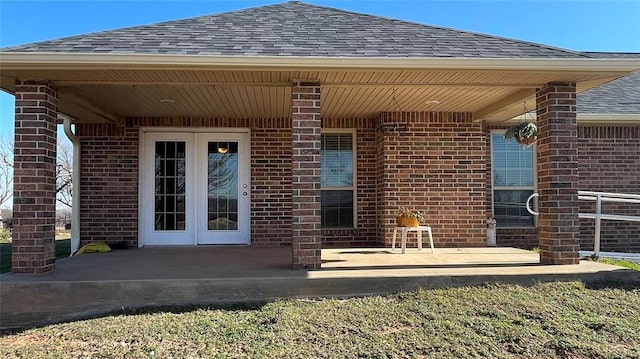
195	188
223	188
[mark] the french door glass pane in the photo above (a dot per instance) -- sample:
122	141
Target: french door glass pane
222	186
170	168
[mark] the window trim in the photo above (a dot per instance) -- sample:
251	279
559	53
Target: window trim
494	188
354	187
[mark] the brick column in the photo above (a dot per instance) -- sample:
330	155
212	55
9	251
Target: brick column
305	212
559	226
34	178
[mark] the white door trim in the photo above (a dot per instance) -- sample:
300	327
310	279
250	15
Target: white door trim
145	189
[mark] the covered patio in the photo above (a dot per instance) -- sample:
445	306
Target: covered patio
220	139
407	152
98	284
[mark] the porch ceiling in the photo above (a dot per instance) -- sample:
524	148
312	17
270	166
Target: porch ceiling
98	95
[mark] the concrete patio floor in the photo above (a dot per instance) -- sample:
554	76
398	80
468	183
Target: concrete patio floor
96	284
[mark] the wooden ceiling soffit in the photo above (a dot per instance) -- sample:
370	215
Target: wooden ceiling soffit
7	84
70	95
515	98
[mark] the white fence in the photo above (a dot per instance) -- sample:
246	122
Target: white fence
600	197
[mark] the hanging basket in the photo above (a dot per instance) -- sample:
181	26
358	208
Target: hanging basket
527	141
525	134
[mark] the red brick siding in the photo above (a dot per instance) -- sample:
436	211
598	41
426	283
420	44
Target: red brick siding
559	231
34	178
435	162
108	183
271	182
525	238
609	161
365	235
306	125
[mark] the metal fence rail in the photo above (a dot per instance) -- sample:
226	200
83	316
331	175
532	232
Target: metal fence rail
600	197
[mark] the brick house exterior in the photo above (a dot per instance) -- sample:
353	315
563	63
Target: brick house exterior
416	118
608	161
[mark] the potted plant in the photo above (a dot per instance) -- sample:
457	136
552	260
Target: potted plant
525	133
409	218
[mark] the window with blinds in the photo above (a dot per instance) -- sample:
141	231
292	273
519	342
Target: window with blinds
513	181
337	180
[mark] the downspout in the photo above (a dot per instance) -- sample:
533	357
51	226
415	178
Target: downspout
75	182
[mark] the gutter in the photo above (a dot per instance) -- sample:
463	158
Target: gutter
41	60
608	119
75	181
591	119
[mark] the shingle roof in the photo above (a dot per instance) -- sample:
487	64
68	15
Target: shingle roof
621	96
297	29
613	55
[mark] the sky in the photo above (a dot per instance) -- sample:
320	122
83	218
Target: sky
577	25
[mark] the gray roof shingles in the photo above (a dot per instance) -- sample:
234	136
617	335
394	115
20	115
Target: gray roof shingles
621	96
297	29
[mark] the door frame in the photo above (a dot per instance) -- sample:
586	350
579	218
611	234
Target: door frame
203	235
145	205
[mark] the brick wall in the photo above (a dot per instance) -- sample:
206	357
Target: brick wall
271	182
306	126
108	183
435	162
557	169
34	178
609	161
365	235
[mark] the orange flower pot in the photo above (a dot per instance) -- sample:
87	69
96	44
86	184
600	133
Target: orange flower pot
407	222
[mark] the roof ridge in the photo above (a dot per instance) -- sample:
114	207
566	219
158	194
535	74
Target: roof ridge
296	28
450	29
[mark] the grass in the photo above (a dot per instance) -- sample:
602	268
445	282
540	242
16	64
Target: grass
620	263
5	235
63	248
568	320
63	234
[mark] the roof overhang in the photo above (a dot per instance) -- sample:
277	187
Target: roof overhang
589	119
30	60
113	86
608	119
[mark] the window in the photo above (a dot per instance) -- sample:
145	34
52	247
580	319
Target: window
337	180
513	181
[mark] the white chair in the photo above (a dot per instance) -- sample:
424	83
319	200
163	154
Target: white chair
405	230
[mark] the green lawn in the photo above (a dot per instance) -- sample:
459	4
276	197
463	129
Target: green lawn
621	263
568	320
63	248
